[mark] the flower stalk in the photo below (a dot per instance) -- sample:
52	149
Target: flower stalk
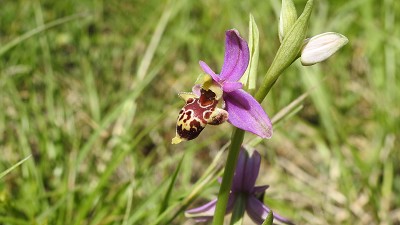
286	55
223	195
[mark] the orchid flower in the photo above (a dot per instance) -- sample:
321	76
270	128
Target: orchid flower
211	90
243	186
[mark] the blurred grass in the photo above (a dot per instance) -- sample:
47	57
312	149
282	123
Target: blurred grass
94	101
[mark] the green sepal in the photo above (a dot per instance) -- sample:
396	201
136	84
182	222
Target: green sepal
270	219
287	18
287	52
250	76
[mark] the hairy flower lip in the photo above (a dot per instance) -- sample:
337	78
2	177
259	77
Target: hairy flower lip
244	111
243	184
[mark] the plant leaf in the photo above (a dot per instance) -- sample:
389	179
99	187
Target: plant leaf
167	196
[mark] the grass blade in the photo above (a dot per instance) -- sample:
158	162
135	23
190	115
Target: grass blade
165	202
38	30
14	166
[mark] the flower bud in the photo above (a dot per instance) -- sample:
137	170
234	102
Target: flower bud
287	18
320	47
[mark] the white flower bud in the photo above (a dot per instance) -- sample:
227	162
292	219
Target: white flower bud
320	47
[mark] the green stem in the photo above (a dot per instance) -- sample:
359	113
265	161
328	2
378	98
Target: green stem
269	81
287	53
236	143
223	195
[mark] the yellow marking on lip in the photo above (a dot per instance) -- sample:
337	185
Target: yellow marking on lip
177	140
207	83
186	125
187	95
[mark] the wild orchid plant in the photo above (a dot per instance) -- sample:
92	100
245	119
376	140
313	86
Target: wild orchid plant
216	98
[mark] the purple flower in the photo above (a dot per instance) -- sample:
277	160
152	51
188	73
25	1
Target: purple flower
238	106
244	179
244	111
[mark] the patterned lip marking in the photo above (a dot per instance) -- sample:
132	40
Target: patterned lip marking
206	115
194	115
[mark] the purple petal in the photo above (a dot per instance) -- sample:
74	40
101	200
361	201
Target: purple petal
202	213
196	90
230	86
206	212
258	212
247	114
251	170
237	57
237	183
260	189
209	71
246	171
231	203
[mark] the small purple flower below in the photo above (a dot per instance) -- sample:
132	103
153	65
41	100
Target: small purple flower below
244	180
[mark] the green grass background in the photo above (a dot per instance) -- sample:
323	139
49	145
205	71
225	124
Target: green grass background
94	100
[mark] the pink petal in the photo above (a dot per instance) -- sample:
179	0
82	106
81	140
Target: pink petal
209	71
196	90
237	57
230	86
247	114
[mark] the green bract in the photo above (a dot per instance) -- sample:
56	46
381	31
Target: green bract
250	76
287	18
287	52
